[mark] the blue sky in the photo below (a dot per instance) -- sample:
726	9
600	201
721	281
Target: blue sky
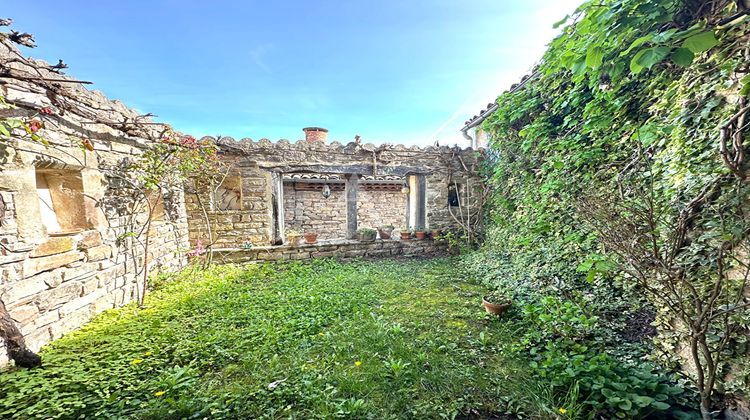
408	71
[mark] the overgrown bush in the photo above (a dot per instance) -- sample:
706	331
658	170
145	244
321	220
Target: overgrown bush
635	96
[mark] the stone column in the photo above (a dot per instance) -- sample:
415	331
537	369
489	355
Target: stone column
420	221
417	201
352	187
278	193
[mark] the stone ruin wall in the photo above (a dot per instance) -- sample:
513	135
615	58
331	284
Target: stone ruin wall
54	282
257	161
308	211
381	208
248	222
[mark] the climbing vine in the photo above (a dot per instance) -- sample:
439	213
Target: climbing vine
619	168
167	166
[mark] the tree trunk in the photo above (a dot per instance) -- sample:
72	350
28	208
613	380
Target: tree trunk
15	343
145	247
209	231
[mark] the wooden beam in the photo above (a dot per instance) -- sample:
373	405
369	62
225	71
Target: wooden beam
352	187
321	169
403	170
348	169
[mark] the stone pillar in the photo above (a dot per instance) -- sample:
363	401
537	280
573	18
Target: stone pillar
421	221
417	201
352	187
278	194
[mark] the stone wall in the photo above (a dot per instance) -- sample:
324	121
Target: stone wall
381	208
65	213
309	211
341	249
233	228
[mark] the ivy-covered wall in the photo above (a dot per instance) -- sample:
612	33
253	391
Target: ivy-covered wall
634	114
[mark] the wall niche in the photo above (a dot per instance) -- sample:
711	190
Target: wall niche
61	200
228	195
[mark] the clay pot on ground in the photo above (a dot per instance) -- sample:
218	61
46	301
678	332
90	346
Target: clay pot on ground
385	232
311	237
420	235
405	235
366	235
435	234
293	240
496	307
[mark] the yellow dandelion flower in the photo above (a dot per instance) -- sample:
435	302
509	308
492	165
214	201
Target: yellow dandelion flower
321	334
148	353
562	410
357	363
159	393
136	361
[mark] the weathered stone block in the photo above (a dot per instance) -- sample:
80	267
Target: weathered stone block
11	257
37	265
79	302
41	321
54	245
69	323
98	253
36	339
24	314
90	239
24	288
53	298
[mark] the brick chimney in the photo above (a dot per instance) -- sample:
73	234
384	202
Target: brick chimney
315	134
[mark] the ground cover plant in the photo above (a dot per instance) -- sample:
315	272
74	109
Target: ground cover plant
301	340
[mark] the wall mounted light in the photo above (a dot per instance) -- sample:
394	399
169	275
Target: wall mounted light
405	188
326	191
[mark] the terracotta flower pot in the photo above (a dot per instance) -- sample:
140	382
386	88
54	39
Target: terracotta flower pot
405	236
385	233
495	308
311	238
435	233
293	240
420	235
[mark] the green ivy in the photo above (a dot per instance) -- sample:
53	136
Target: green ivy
625	78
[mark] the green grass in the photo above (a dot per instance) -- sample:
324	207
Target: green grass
304	340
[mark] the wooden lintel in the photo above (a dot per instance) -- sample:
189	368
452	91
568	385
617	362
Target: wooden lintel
321	169
348	169
402	170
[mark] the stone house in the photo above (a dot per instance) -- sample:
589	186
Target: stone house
330	189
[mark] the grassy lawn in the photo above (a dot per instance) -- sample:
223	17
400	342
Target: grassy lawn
306	340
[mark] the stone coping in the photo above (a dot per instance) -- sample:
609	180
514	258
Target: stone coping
246	144
338	248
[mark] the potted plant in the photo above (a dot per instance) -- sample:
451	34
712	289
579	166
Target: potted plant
366	234
311	237
420	233
292	237
405	233
385	231
496	302
435	234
